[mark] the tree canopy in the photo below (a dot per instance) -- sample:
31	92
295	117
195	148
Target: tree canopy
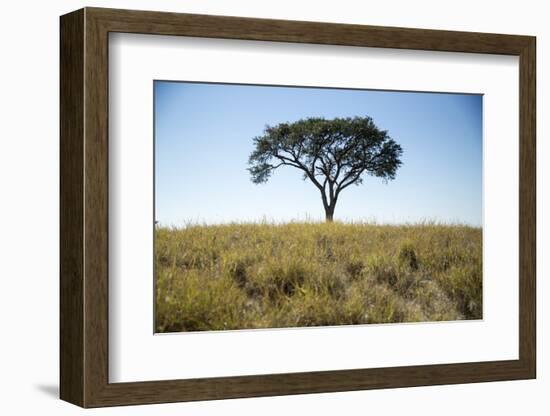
332	154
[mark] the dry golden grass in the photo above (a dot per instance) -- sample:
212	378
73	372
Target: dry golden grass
239	276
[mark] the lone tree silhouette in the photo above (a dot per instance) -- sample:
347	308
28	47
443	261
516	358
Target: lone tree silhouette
332	154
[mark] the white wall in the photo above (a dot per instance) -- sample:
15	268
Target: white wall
29	208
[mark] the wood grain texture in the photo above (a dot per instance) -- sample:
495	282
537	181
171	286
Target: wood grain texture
96	208
527	208
84	207
71	208
225	27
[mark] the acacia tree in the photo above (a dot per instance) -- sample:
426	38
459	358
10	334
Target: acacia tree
332	154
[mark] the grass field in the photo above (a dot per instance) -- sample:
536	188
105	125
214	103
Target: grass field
240	276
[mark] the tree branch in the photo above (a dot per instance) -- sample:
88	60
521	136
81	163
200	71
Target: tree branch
343	185
288	161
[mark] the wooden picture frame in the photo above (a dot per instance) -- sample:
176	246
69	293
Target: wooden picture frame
84	207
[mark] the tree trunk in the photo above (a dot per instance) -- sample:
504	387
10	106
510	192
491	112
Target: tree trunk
329	205
329	214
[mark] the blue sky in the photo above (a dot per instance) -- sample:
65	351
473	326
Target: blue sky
204	132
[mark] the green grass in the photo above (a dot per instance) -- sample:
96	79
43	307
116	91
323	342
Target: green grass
240	276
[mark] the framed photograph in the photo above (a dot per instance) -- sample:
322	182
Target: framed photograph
254	207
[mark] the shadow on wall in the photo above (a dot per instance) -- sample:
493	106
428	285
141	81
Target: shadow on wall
51	390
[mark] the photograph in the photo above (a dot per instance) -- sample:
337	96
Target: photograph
299	206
